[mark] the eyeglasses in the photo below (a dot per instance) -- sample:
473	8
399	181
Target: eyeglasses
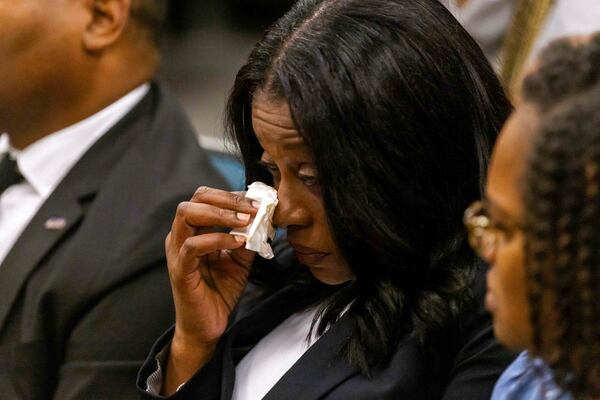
484	235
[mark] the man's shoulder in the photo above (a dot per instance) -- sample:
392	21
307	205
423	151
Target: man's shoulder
158	115
164	148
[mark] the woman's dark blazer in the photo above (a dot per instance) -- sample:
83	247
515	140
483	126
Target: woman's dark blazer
471	357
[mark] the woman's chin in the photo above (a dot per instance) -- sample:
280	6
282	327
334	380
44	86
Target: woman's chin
510	336
328	277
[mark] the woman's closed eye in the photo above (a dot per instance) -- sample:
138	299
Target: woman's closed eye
306	173
308	176
506	229
270	167
308	180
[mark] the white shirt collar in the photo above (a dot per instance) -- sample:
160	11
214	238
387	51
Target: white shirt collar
45	162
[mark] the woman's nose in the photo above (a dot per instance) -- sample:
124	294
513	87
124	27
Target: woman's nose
489	250
489	256
290	210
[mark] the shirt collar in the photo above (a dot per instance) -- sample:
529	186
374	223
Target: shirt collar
45	162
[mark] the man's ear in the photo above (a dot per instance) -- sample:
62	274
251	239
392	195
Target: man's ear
108	19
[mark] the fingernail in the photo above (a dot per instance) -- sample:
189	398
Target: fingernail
239	239
243	217
255	203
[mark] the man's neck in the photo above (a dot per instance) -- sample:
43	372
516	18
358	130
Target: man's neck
35	126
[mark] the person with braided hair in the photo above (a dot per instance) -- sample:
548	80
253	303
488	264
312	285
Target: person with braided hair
539	229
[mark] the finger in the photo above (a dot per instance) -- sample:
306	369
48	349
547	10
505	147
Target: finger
193	218
200	215
241	262
223	199
197	246
242	256
168	244
180	229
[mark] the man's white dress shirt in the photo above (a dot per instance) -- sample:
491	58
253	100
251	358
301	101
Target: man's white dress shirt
46	162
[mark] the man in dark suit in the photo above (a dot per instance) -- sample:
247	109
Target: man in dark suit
93	163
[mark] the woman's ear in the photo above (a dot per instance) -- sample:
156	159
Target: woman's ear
108	19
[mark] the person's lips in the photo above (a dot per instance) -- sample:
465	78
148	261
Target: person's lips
309	256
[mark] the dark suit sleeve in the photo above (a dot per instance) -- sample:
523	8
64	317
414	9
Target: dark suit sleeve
204	385
111	339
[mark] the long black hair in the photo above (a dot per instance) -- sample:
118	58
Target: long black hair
400	109
561	192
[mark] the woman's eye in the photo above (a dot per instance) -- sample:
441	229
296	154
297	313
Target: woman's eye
271	168
307	173
504	230
308	180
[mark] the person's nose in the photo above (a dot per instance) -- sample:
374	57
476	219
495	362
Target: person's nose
489	256
290	210
489	249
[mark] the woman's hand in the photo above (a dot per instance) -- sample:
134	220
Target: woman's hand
208	272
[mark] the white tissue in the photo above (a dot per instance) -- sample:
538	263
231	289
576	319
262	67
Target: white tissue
261	229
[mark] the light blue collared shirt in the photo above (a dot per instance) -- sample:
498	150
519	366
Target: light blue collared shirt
528	378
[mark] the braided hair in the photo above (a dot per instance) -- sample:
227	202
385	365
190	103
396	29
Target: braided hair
561	192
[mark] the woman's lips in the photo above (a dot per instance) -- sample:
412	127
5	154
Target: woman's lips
309	256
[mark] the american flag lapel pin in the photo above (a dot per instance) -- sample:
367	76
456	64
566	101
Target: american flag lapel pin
55	223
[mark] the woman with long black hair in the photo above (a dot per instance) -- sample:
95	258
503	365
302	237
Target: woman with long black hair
373	119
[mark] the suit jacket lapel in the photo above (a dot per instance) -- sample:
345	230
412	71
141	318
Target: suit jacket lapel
260	321
248	331
65	208
34	243
321	356
319	370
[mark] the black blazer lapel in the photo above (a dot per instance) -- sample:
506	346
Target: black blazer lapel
259	321
66	206
309	371
51	223
247	332
321	356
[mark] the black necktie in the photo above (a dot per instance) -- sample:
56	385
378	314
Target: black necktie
9	173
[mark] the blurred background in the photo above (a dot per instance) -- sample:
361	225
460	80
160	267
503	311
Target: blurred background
206	43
